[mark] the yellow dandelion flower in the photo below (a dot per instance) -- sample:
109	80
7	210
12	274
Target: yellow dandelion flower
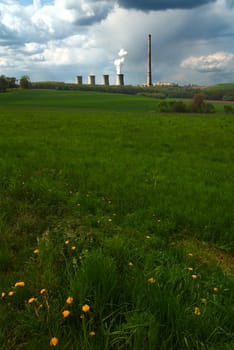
31	300
11	293
148	237
92	333
203	300
69	300
197	311
19	284
66	313
3	294
53	341
215	289
36	251
151	280
190	254
85	308
194	276
67	241
43	291
130	263
110	220
73	247
190	268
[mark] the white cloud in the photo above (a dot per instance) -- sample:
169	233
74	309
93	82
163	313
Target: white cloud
218	61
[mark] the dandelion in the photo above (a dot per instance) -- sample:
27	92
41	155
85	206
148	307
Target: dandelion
197	311
130	263
73	247
110	220
190	254
85	308
36	251
215	289
190	268
31	300
194	276
203	300
53	341
3	294
43	291
69	300
19	284
11	293
151	280
67	241
147	237
66	313
92	333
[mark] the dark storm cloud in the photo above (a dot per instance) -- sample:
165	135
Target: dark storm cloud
150	5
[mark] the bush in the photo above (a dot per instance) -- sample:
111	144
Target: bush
228	109
173	106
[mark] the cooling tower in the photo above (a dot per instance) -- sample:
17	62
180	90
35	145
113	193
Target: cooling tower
120	79
79	79
105	78
92	79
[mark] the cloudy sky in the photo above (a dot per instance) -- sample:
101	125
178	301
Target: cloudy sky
192	40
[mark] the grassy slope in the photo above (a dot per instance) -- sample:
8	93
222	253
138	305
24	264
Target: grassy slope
108	166
178	168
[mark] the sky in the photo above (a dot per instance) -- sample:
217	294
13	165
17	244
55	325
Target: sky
56	40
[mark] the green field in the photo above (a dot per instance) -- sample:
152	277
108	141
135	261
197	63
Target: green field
132	213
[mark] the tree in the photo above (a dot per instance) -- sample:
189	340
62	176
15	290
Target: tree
3	83
11	82
25	82
199	105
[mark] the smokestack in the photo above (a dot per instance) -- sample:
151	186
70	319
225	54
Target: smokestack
120	79
79	80
105	79
91	79
149	73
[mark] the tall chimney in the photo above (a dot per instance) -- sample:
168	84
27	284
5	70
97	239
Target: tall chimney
149	73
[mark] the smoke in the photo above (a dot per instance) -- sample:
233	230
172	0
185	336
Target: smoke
120	61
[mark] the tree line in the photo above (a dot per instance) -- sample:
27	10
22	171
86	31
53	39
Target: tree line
7	83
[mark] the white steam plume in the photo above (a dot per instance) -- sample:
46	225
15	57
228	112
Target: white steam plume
120	61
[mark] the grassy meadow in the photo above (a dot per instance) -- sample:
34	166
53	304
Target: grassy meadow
116	224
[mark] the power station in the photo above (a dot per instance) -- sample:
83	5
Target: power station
119	75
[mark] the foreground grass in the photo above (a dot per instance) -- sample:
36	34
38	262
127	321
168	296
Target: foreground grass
115	198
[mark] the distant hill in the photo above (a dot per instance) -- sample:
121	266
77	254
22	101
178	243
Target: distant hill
223	92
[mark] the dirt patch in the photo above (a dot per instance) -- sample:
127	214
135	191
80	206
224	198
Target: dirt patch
209	254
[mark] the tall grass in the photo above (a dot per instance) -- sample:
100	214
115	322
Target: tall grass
110	193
